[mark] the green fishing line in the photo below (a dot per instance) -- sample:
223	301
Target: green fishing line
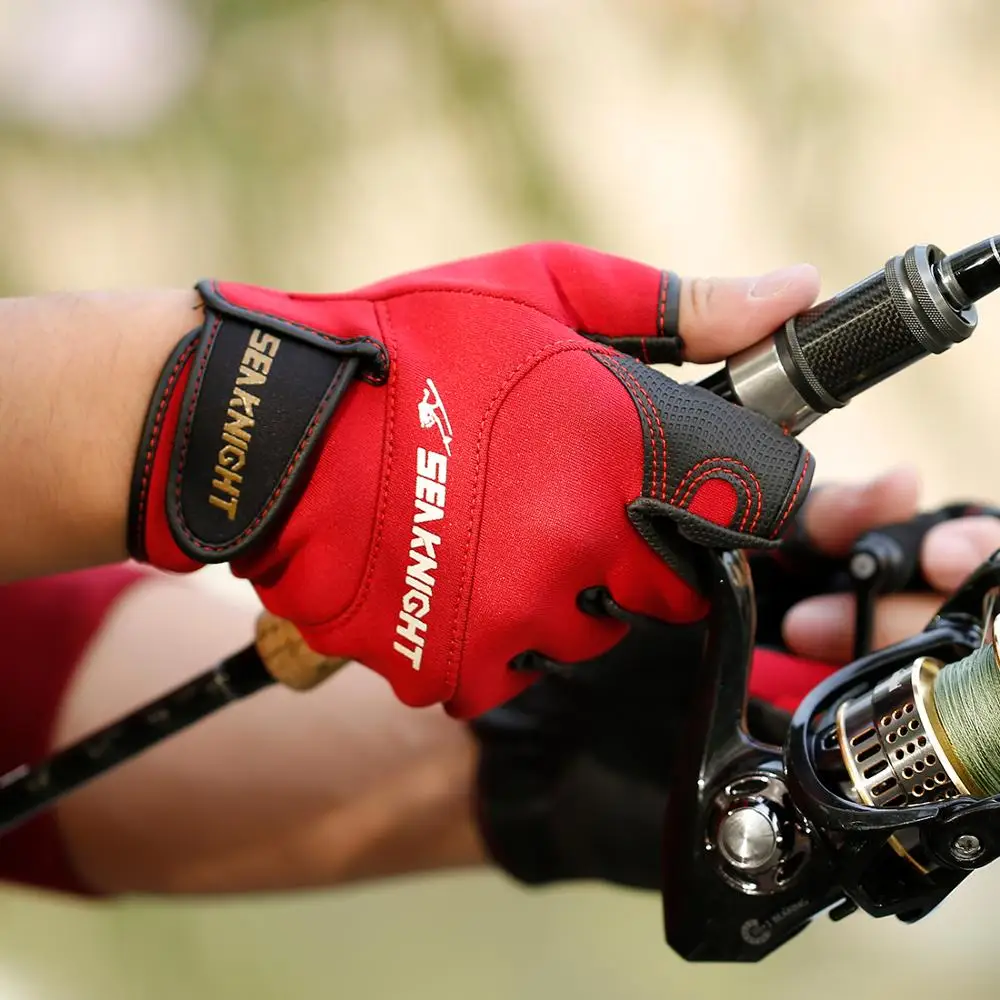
967	696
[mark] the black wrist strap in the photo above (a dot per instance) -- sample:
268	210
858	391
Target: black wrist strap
259	396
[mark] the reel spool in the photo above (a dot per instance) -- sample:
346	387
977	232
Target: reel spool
894	745
927	733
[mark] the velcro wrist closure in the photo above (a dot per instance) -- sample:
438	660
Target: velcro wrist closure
260	392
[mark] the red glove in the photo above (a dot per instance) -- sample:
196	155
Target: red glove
426	473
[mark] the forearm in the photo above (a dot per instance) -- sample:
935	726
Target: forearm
77	373
281	791
418	819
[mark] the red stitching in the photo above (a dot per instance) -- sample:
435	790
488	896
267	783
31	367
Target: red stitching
643	342
717	458
735	461
461	618
708	474
791	503
154	434
648	420
661	311
663	438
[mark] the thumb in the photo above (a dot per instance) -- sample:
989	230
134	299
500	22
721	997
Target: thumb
719	316
655	315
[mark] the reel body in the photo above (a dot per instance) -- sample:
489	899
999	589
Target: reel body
866	806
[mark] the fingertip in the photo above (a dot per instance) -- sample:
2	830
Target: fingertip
820	628
952	550
775	297
720	316
791	287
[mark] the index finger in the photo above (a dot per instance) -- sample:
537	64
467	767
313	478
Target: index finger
655	315
720	316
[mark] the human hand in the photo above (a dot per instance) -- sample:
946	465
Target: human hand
425	474
574	773
822	627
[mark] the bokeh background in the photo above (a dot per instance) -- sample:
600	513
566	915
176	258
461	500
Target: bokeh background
315	145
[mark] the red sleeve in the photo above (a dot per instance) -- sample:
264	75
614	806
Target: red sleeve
46	625
784	679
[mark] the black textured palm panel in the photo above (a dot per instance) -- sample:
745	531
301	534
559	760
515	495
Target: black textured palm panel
852	337
691	436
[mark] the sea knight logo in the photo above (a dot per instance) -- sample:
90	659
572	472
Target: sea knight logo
428	509
240	421
433	414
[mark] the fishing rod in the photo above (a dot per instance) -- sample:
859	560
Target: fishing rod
886	792
278	655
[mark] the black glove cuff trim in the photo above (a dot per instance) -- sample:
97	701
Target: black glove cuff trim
139	494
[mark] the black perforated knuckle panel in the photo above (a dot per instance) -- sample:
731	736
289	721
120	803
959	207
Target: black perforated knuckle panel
692	437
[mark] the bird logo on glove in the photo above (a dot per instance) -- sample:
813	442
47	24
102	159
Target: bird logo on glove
433	414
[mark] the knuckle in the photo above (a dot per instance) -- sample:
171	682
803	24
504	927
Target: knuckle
701	295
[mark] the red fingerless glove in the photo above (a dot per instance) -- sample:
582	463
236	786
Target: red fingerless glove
425	474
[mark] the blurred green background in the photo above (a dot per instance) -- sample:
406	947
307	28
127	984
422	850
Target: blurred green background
317	145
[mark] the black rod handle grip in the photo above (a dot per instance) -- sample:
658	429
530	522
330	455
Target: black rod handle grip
921	302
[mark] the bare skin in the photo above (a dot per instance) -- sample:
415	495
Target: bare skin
76	376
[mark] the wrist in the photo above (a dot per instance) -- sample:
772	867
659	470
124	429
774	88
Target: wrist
71	451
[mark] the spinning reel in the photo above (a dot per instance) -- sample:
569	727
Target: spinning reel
886	793
884	797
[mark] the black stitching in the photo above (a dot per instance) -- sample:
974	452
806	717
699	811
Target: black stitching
210	291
